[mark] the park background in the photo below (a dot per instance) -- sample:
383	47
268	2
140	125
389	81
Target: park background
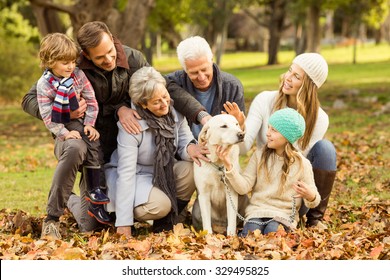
255	41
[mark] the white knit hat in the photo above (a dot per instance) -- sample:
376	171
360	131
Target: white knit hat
314	65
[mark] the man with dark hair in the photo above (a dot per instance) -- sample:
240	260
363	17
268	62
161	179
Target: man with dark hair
108	65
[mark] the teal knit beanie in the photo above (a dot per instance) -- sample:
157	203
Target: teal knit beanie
289	123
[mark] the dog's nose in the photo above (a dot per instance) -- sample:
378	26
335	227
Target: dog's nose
240	136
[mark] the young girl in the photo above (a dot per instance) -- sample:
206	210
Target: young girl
298	90
277	176
58	91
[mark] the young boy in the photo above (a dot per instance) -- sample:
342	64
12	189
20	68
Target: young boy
58	91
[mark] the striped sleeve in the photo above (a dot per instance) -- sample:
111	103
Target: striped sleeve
45	97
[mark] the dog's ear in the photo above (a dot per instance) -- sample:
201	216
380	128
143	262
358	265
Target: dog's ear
203	135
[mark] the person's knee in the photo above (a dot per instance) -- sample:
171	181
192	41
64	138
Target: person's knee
73	201
323	155
153	210
164	208
75	150
77	147
251	226
184	176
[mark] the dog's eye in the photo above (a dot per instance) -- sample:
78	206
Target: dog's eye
224	126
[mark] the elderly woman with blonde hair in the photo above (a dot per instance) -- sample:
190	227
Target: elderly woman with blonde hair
145	179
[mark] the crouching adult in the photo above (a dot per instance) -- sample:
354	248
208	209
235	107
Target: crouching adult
145	180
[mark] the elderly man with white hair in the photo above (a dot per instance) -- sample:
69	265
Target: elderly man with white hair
204	80
211	87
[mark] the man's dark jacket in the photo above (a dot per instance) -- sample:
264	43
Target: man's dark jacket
112	92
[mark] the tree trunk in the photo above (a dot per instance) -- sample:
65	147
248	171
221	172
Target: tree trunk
128	26
329	34
220	42
131	24
378	35
314	32
48	20
300	38
148	44
158	46
215	32
275	27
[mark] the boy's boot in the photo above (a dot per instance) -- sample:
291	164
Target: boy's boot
324	180
95	194
99	213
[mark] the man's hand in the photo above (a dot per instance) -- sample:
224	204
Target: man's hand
205	119
129	120
91	132
196	152
234	110
79	112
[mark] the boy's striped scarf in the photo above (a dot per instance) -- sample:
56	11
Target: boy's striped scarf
65	99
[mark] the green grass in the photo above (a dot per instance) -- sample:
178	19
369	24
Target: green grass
371	71
26	190
361	136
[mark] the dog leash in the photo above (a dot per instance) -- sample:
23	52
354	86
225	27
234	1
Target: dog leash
277	219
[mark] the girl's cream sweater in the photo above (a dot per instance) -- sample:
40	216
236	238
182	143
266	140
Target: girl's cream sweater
265	199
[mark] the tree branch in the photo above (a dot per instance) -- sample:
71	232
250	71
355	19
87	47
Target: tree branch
54	6
255	18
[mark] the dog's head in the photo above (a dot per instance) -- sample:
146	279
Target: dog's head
221	129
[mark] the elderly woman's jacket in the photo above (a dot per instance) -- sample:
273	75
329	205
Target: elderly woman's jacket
129	174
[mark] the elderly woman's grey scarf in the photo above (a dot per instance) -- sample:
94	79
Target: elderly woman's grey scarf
164	131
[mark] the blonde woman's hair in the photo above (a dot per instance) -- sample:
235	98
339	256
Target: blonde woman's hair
55	47
143	84
308	105
290	155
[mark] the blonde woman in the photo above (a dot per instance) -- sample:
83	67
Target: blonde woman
298	90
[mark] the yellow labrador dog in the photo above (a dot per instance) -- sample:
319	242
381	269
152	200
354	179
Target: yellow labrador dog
214	203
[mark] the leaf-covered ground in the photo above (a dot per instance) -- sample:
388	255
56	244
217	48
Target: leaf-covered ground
367	238
358	220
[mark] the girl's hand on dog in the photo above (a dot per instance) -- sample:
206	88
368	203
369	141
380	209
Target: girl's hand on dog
223	155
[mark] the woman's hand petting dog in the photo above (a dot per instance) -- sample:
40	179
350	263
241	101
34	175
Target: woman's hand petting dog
196	152
234	110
